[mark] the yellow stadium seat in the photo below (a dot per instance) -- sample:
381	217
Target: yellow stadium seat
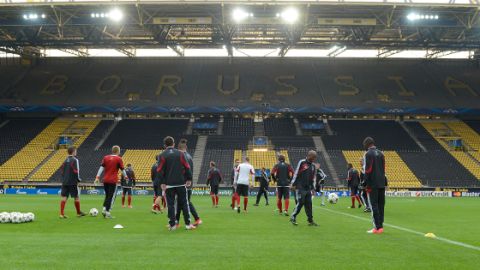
470	159
398	173
266	159
18	167
57	158
142	161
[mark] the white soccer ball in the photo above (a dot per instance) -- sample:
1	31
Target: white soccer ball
26	217
332	198
15	217
93	212
30	216
4	217
22	218
8	218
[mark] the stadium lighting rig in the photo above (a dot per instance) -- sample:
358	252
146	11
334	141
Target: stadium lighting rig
115	15
336	50
34	16
289	15
424	17
239	15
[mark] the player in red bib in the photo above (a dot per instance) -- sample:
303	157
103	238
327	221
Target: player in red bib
110	166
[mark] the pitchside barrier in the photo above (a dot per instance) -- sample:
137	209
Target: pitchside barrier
90	189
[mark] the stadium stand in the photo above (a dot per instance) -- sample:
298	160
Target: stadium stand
238	127
147	133
420	79
17	133
474	124
468	135
292	142
237	155
206	126
279	127
84	128
312	126
339	163
89	158
398	173
349	135
260	159
35	152
142	161
224	160
444	132
266	159
226	142
437	167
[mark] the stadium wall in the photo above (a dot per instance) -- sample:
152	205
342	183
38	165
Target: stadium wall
244	85
25	189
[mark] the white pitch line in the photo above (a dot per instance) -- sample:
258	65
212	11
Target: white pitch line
452	242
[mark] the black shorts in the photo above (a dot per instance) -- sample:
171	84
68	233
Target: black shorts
127	190
353	190
157	190
70	190
242	190
283	192
214	190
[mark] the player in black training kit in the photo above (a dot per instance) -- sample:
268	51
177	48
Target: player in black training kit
302	183
182	146
376	183
363	189
175	175
213	180
353	179
234	190
282	173
70	179
127	185
263	189
320	183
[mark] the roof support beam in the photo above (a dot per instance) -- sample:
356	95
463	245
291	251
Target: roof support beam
384	52
76	52
130	52
283	50
337	50
177	49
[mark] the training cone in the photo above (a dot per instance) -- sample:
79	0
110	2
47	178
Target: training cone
430	235
118	226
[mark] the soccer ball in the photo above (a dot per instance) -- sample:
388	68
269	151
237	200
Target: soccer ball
31	216
333	198
26	217
21	218
93	212
15	217
4	217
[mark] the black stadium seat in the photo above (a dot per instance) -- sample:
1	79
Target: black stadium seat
17	133
147	134
349	135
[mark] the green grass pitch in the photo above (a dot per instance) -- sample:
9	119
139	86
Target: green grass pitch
227	240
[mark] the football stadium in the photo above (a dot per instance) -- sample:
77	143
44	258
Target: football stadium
274	134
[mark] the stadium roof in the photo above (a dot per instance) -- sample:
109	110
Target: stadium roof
385	28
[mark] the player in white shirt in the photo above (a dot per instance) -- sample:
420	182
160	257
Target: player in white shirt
243	174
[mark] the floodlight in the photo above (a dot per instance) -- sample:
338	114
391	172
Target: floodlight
239	15
115	15
290	15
